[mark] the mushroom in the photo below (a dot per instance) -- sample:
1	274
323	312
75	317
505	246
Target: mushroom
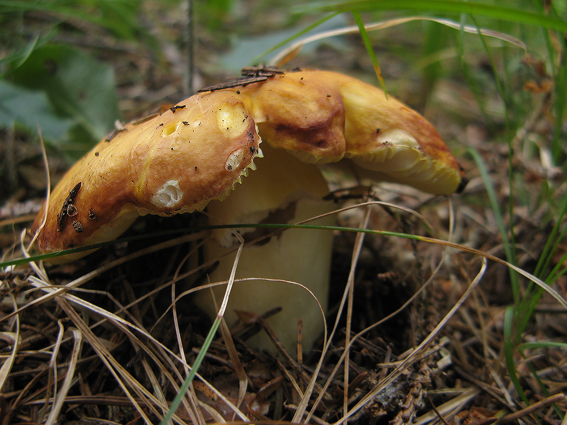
319	118
193	154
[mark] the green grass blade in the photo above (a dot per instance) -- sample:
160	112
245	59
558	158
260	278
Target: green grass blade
524	314
510	349
192	373
558	64
471	81
504	13
541	344
543	388
369	49
508	248
558	271
532	295
552	241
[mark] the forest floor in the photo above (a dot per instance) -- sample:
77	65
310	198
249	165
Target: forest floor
415	358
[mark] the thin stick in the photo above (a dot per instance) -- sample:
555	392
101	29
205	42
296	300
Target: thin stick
437	412
190	48
536	406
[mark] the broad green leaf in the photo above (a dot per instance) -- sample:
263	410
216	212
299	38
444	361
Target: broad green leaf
118	16
78	86
30	109
247	50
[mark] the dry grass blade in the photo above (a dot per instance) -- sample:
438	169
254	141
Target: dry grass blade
236	363
220	313
360	334
230	282
415	354
290	52
302	407
47	188
53	377
350	288
69	376
15	339
191	404
117	370
450	408
58	291
112	364
534	407
153	379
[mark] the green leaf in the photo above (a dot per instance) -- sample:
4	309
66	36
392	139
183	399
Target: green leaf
30	109
510	343
118	16
78	86
245	50
15	59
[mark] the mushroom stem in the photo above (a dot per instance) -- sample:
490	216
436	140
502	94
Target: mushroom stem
281	190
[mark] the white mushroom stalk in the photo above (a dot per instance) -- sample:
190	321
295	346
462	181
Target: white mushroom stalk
198	152
281	190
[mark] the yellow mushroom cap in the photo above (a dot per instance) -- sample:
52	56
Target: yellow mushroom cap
166	164
323	117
